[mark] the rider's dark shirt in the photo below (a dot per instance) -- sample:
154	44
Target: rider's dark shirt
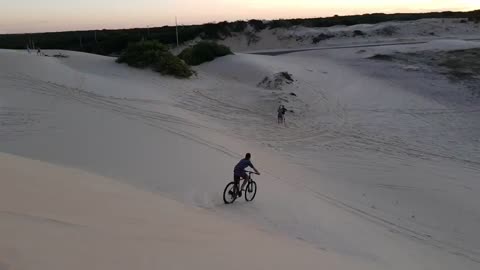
241	166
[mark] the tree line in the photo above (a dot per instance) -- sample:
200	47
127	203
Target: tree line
113	42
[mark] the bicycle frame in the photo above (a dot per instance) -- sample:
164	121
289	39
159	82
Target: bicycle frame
249	176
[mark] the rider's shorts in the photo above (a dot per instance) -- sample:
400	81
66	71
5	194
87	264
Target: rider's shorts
237	176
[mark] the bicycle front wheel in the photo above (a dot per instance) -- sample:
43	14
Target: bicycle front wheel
250	191
230	193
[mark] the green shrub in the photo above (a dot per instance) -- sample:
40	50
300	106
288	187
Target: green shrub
168	64
203	52
152	54
142	54
186	54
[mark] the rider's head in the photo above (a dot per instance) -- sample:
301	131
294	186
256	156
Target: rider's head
247	156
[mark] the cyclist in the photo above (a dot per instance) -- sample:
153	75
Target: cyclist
239	172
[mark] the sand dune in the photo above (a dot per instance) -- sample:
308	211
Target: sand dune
58	218
377	167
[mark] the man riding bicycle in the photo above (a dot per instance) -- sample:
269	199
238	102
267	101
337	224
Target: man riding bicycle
239	172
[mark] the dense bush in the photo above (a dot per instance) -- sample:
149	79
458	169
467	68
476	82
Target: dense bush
474	16
186	54
238	26
203	52
152	54
216	31
474	19
280	24
168	64
142	54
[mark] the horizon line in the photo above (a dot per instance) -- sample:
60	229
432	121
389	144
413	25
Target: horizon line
234	20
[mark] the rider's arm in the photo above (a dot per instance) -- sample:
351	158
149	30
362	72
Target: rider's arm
255	169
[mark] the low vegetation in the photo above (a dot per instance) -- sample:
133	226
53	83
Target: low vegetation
387	31
60	55
252	38
382	57
459	66
113	42
152	54
462	64
358	33
203	52
277	81
321	37
474	18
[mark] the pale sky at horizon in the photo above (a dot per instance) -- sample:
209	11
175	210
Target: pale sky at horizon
22	16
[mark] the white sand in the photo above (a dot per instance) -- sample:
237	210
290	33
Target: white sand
57	218
379	162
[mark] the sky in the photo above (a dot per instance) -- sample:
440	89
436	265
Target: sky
23	16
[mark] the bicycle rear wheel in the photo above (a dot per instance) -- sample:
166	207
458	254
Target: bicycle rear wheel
230	193
250	191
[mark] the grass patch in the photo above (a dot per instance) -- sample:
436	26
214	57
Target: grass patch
462	64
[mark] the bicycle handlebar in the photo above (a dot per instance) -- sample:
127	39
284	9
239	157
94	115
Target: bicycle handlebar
250	172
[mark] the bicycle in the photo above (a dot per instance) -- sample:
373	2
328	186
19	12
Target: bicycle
230	194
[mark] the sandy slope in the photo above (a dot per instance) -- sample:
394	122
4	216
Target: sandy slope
372	165
57	218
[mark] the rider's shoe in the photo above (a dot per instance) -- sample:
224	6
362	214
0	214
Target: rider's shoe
239	194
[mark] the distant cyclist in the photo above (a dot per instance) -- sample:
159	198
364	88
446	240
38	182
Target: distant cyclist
239	172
